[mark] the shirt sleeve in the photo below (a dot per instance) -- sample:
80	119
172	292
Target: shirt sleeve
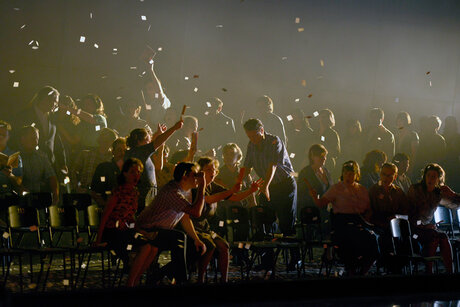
331	194
248	163
100	120
277	151
18	171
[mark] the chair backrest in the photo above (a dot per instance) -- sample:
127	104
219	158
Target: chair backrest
94	215
238	219
78	200
40	200
65	216
262	219
402	237
443	217
310	219
22	217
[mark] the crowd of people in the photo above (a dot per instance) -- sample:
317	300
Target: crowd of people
164	188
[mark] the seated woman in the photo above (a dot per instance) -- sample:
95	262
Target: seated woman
424	198
319	178
213	194
386	200
372	163
357	246
117	222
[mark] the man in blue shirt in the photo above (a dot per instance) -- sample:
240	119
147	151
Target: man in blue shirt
268	156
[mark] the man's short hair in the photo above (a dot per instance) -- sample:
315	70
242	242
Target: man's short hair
253	124
4	124
26	130
376	113
183	169
391	166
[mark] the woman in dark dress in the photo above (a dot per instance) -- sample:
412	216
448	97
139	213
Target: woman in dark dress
424	198
319	178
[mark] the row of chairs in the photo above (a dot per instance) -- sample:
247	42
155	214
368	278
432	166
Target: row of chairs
33	214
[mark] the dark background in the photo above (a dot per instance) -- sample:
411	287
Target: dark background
374	52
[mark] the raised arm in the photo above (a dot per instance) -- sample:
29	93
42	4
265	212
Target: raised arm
196	208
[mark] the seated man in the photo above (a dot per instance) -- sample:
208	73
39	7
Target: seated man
156	223
105	176
386	200
10	177
38	174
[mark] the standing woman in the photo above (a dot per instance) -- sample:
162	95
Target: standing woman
117	223
141	147
328	137
350	206
319	178
424	197
92	117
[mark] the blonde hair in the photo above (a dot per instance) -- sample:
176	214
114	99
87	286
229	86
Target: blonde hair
233	147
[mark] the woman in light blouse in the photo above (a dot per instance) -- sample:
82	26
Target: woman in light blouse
357	246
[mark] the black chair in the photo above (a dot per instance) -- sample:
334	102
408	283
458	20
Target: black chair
63	219
22	220
444	219
404	249
312	237
262	219
237	219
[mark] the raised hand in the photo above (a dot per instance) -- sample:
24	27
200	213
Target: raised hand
256	185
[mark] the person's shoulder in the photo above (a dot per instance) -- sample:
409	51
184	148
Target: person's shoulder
374	188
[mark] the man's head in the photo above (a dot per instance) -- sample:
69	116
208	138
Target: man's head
388	174
216	105
190	124
5	129
376	117
46	99
106	137
185	174
29	137
119	148
210	167
264	104
402	161
254	130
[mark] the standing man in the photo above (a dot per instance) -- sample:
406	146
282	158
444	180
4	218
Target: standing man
268	156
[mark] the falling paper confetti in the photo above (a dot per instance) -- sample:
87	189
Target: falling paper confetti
292	155
67	112
102	178
323	138
428	72
304	83
91	15
65	282
219	26
144	18
396	99
240	245
321	62
96	46
129	247
133	67
160	48
98	128
16	84
82	39
22	27
195	89
297	20
148	107
247	246
430	83
289	117
221	224
208	104
185	78
206	113
11	71
297	100
196	76
310	95
300	29
315	114
156	95
66	180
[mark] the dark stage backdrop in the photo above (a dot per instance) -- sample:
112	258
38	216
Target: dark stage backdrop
351	54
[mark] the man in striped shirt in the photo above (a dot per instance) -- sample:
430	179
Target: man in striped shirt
157	222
